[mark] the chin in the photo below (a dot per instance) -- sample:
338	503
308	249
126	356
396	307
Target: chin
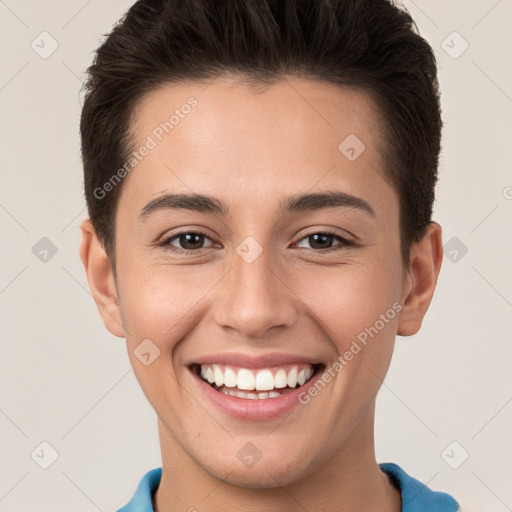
262	478
264	474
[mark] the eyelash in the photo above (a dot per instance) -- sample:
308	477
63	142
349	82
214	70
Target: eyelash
345	242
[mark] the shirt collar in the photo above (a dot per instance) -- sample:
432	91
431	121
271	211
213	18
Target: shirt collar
415	495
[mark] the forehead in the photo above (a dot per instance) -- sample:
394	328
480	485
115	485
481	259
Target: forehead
289	108
223	136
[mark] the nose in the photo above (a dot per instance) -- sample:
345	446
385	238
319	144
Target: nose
255	297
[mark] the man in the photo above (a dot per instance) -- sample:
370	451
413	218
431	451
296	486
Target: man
260	178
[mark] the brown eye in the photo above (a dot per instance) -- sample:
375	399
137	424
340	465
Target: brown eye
186	241
324	241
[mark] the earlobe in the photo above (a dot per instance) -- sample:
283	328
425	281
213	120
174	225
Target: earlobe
101	279
426	257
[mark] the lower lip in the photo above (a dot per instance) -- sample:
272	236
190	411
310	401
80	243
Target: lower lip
256	409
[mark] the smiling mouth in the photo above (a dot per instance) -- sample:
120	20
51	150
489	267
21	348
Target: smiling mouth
256	384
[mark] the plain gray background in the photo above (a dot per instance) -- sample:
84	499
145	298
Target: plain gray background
66	381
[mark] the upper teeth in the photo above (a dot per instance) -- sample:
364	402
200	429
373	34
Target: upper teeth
261	380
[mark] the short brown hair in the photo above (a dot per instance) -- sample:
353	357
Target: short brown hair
371	45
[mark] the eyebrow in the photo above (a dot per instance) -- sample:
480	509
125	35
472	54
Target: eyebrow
300	203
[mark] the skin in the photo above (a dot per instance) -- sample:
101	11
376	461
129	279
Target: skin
250	148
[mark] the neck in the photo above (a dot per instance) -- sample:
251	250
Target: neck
348	480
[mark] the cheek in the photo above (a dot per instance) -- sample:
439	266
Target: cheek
161	306
161	303
358	303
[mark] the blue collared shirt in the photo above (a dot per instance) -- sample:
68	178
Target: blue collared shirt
416	497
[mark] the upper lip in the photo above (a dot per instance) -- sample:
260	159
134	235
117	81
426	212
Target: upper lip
255	361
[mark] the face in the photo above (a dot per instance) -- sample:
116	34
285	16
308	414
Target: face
263	281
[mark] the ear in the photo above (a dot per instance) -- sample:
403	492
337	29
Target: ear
101	279
426	257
